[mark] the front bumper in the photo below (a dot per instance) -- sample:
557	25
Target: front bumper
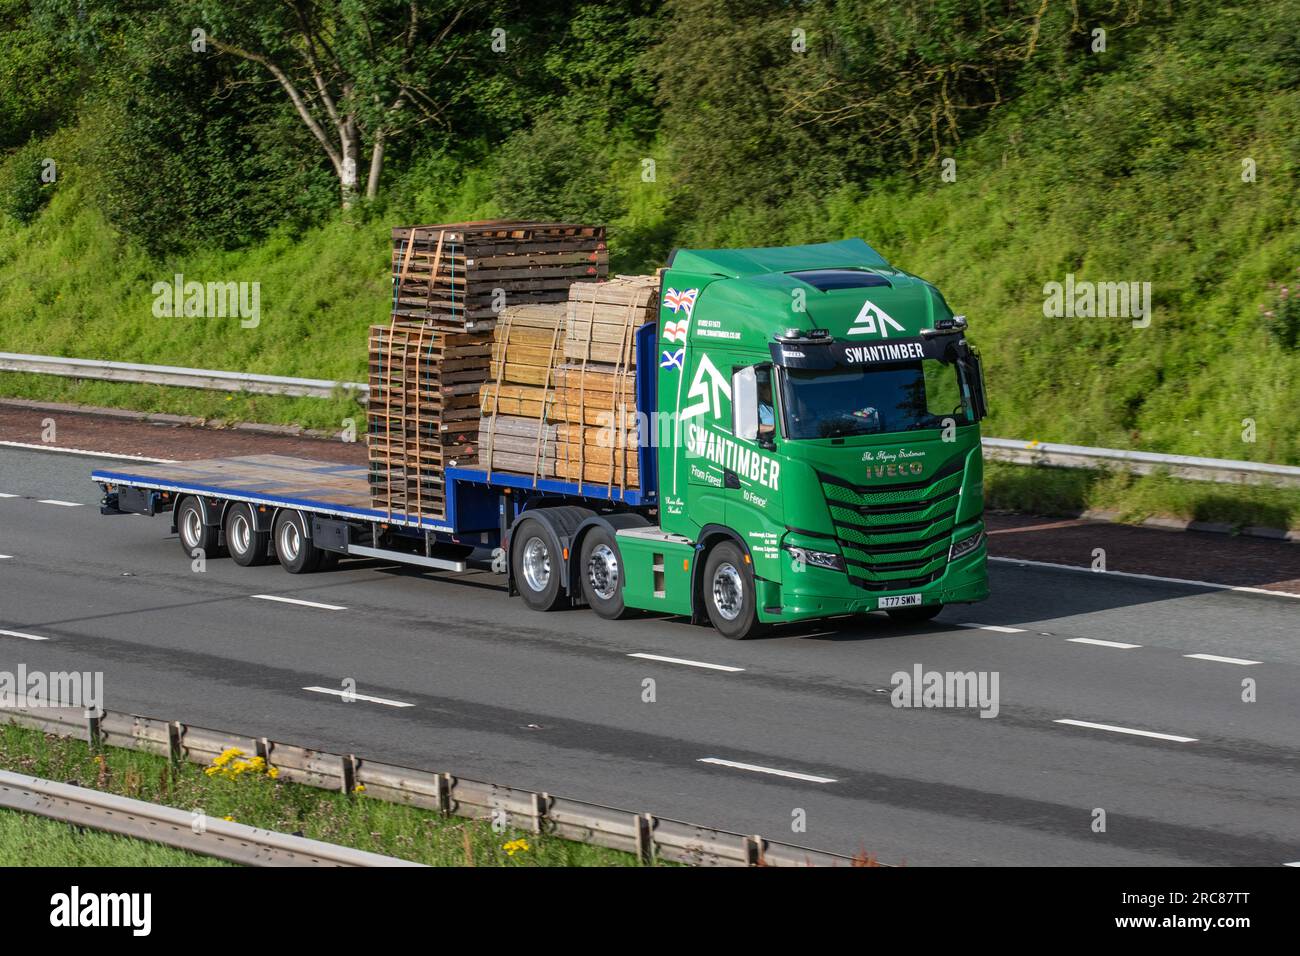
819	592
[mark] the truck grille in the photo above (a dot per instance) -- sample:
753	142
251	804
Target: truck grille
896	537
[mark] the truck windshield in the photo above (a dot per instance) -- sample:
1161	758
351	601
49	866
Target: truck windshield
843	402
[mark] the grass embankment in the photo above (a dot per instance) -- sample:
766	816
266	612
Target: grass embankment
252	796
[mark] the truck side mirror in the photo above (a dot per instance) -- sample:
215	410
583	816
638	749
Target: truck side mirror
744	403
973	373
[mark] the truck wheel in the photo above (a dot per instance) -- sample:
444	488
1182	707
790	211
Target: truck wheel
729	593
601	569
248	546
293	548
194	534
914	615
535	565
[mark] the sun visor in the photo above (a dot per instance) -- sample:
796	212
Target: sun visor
827	355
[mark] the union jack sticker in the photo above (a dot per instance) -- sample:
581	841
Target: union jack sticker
683	300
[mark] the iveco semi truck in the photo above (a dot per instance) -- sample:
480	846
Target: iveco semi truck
808	423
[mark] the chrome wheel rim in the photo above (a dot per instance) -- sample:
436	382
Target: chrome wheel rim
536	564
602	572
290	541
192	527
241	535
728	591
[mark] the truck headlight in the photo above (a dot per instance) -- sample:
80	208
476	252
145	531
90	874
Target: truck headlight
965	546
816	559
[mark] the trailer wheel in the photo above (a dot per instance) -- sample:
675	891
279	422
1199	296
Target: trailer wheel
601	569
914	615
729	593
193	533
248	546
293	548
535	565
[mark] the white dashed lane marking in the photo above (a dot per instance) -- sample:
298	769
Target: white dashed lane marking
348	695
995	627
61	504
682	660
289	600
810	778
1220	660
1092	640
1127	730
23	635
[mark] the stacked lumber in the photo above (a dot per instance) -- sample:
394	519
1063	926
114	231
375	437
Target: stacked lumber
561	399
602	317
422	413
459	276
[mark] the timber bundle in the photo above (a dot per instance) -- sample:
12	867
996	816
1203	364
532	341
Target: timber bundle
561	402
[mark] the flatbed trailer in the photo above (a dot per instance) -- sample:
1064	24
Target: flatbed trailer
808	424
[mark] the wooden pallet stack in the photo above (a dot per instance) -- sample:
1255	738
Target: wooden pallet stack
428	364
422	413
460	276
561	399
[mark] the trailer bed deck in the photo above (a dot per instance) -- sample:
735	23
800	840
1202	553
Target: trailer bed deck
278	480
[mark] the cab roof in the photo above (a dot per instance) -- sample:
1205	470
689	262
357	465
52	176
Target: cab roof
740	263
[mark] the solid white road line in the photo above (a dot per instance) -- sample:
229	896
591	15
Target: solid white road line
83	451
351	696
757	769
289	600
1296	863
1092	640
25	637
682	660
1126	730
1149	577
1220	660
61	504
995	627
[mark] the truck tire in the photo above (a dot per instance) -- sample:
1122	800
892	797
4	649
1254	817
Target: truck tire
535	565
914	615
193	533
293	548
247	545
729	593
601	569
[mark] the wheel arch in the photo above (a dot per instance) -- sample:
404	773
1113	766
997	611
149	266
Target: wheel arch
612	523
561	521
711	535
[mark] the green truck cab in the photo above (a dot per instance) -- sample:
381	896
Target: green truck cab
818	443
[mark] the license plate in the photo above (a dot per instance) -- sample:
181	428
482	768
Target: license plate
900	600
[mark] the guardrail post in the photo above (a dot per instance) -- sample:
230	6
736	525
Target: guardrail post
94	733
443	784
754	847
174	734
541	806
349	775
644	824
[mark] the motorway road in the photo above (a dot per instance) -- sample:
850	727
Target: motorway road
554	702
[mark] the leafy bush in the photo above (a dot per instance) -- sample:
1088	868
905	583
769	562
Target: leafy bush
1282	315
24	190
